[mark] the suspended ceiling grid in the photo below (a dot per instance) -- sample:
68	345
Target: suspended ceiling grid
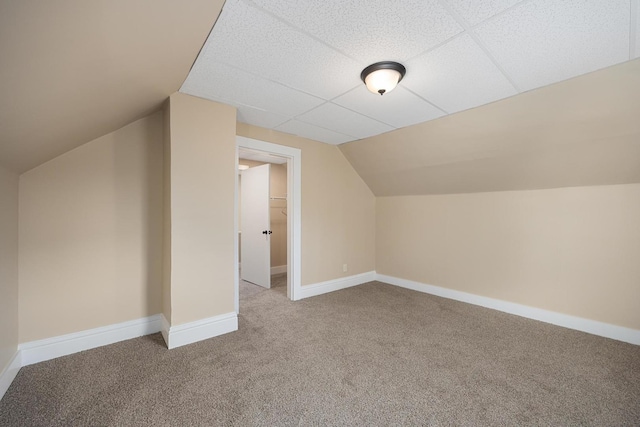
294	66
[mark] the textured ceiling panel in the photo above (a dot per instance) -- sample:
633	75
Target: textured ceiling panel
370	30
265	119
398	108
285	58
226	84
316	133
545	41
345	121
457	76
474	11
247	38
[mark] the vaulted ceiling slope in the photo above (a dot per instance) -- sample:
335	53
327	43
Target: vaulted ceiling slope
294	65
74	70
583	131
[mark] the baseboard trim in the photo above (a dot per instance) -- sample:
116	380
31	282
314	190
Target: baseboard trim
336	284
9	373
279	269
607	330
50	348
188	333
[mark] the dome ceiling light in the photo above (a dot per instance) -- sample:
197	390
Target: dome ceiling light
382	77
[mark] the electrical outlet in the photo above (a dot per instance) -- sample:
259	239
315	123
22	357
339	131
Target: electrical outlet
345	268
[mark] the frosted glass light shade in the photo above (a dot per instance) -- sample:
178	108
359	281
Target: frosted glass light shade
382	77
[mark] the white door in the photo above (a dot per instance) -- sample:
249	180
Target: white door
255	239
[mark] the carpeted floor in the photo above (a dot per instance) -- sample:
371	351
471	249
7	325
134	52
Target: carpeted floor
369	355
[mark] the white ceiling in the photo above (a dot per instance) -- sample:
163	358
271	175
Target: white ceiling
294	65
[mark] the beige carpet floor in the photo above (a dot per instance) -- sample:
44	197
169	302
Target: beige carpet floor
372	355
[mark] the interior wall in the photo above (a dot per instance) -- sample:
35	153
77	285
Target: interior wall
579	132
203	157
338	209
569	250
91	234
166	208
8	266
278	221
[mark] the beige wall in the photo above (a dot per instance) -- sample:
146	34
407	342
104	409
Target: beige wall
278	221
338	209
8	266
570	250
580	132
202	208
75	70
91	234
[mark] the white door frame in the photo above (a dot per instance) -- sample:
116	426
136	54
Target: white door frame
294	213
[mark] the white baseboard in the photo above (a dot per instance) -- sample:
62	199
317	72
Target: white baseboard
9	373
177	336
50	348
602	329
279	269
336	284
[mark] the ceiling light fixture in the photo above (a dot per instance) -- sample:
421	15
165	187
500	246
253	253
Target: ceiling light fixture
243	167
382	77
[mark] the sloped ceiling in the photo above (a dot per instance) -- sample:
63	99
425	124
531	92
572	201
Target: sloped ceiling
294	65
583	131
74	70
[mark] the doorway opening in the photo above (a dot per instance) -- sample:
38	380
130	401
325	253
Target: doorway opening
255	231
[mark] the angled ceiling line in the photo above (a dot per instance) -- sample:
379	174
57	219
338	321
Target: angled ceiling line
428	102
204	46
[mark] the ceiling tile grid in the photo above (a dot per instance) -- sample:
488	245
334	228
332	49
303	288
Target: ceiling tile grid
247	38
457	76
546	41
265	119
398	108
294	65
370	30
220	82
474	11
344	121
314	132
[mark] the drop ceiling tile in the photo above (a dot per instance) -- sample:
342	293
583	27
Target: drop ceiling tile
248	38
398	108
341	120
260	118
457	76
546	41
316	133
637	53
222	83
474	11
370	30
